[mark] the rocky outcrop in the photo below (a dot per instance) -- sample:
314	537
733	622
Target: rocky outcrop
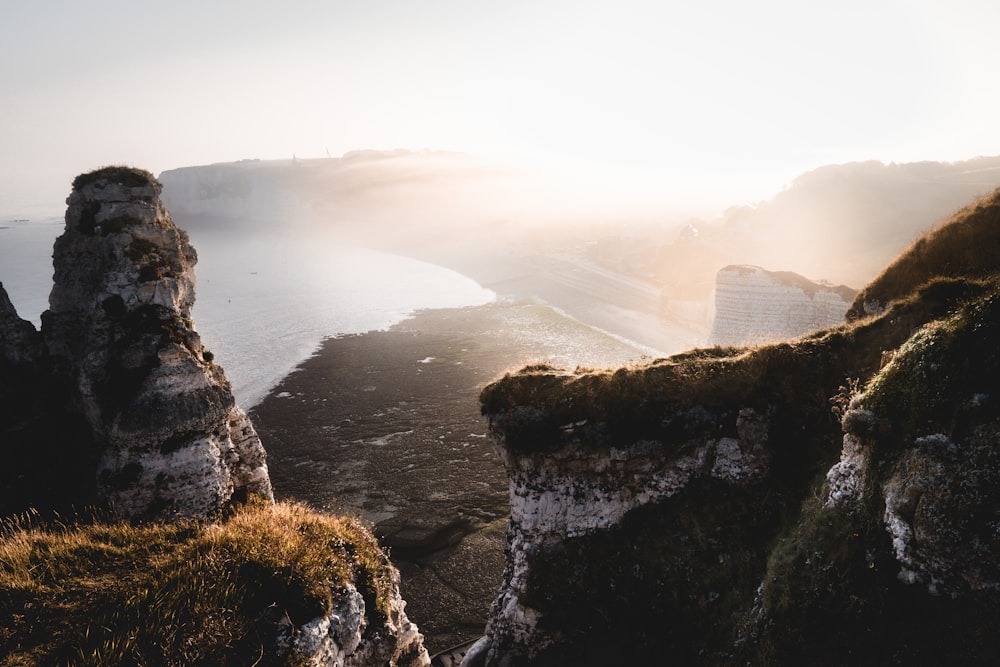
344	638
116	401
21	345
754	306
712	509
156	424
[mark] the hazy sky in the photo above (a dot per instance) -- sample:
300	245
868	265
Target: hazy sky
723	95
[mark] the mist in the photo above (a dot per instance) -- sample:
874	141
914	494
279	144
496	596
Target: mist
625	257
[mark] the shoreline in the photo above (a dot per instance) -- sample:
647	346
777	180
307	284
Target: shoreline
608	301
386	425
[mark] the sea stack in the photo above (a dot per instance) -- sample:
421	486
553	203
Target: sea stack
167	435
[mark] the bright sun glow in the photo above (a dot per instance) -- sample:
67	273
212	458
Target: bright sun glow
719	99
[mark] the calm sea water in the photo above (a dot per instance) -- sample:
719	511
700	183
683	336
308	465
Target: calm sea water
264	302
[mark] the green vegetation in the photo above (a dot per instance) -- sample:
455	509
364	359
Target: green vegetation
932	380
837	570
180	593
797	379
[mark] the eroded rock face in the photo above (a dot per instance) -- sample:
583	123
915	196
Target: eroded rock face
711	509
344	638
583	487
163	434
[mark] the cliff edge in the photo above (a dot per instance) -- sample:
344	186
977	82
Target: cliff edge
116	403
828	500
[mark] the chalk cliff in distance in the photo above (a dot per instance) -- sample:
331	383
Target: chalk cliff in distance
827	500
153	426
754	306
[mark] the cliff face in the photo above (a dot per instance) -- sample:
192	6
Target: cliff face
830	500
754	306
154	421
116	402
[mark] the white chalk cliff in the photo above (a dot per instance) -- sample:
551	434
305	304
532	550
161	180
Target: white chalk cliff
754	306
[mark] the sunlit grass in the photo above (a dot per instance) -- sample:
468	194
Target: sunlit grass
109	592
966	246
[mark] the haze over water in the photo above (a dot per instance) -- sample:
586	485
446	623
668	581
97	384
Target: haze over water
264	304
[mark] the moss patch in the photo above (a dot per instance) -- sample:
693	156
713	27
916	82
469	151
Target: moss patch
944	372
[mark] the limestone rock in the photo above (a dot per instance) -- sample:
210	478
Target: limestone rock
754	306
118	352
20	343
343	637
46	448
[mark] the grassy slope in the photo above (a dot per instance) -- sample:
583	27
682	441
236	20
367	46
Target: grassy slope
965	246
189	592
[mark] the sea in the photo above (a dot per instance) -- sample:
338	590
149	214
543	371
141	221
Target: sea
264	302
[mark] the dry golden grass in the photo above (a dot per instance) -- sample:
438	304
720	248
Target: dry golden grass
109	592
955	264
965	246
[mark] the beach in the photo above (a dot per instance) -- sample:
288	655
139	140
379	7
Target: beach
386	425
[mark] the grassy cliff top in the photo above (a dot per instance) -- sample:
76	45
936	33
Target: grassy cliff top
665	400
132	177
188	592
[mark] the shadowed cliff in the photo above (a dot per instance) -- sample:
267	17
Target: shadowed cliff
829	500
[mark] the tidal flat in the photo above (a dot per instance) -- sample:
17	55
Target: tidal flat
386	425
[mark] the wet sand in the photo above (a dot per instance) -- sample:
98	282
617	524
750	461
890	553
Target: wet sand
387	425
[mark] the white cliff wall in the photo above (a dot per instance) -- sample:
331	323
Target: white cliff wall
754	306
574	490
248	191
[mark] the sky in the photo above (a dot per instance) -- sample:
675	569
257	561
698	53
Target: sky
715	102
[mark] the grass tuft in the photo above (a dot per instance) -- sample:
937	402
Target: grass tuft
110	592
